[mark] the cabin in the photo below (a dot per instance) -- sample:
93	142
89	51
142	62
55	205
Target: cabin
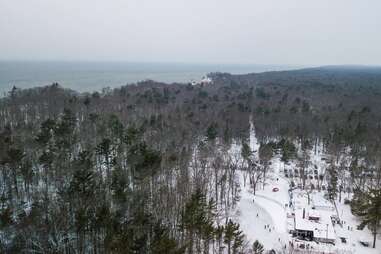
324	234
309	226
303	228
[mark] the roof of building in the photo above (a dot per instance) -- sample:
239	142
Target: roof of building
320	201
322	233
303	224
319	228
313	213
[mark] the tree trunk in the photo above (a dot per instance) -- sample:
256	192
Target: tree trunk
264	176
206	246
190	250
340	196
15	182
216	185
374	239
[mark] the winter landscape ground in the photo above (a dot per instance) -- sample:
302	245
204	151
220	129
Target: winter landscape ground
190	127
269	216
231	164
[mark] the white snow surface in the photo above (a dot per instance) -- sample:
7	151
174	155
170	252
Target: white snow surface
270	209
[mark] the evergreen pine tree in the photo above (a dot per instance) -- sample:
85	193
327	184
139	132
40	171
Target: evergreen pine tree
233	237
257	247
367	205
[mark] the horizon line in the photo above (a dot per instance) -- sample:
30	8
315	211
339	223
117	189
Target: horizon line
298	65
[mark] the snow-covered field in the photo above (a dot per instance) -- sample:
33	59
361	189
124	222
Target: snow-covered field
258	223
267	217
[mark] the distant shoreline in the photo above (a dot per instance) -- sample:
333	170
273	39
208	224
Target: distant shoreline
93	76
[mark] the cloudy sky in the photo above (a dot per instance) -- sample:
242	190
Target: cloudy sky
199	31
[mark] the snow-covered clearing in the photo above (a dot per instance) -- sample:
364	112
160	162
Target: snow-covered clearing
257	222
267	217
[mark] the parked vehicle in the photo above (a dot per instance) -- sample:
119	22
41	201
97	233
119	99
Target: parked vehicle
364	243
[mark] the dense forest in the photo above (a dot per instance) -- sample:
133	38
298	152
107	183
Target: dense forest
146	168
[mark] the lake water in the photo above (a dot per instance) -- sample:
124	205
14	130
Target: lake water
93	76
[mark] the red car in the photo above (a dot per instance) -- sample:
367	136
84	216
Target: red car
275	189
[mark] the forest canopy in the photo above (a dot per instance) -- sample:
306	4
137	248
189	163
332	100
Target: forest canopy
144	168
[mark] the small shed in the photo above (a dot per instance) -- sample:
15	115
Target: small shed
313	215
312	229
303	227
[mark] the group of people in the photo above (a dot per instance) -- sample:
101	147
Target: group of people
268	227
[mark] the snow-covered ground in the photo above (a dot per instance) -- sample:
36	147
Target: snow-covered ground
257	222
267	217
354	236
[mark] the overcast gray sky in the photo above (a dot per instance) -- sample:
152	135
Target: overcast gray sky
203	31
